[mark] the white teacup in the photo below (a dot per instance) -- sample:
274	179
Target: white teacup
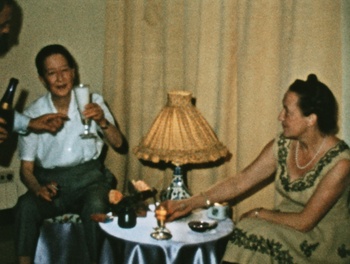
218	211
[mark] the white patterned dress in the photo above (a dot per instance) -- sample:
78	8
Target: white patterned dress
256	241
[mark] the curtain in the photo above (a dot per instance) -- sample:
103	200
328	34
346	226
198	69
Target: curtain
345	30
237	57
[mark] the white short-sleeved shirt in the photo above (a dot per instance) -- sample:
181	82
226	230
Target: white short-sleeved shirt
65	148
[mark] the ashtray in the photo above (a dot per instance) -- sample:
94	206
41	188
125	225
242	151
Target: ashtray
202	226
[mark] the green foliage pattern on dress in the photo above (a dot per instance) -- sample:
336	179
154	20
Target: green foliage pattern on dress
262	245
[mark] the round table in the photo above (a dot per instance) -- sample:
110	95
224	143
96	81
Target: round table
135	245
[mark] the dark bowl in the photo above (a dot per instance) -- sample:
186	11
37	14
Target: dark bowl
201	226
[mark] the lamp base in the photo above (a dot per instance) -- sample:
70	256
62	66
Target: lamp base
177	189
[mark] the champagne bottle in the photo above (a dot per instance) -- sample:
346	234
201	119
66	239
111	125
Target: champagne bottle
6	110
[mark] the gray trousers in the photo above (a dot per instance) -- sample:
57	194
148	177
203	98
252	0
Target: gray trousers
83	190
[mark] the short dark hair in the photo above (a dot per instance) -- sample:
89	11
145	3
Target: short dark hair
316	98
49	50
5	2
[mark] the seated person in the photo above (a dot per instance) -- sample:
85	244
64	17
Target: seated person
311	165
63	172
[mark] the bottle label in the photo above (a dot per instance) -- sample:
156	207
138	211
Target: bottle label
5	106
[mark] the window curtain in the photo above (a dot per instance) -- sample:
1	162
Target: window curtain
345	30
237	57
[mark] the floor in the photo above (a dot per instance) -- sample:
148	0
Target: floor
7	255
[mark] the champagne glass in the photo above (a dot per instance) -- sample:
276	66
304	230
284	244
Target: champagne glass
82	95
161	232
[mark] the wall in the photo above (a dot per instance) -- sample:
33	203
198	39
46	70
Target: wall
80	26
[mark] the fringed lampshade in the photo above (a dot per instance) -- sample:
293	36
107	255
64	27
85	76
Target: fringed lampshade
180	135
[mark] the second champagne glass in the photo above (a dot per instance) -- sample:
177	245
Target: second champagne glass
82	95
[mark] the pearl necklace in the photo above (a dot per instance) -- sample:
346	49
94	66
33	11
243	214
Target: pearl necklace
297	155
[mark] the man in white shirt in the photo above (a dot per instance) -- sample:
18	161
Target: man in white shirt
23	124
65	161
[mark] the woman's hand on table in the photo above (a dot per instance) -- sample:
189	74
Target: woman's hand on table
176	208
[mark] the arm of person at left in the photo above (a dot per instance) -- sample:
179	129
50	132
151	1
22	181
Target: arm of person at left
110	131
46	123
327	193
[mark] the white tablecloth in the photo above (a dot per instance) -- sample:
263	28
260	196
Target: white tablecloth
135	245
61	244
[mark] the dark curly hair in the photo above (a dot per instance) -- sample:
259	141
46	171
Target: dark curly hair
316	98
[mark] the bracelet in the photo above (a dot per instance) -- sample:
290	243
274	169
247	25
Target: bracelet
106	125
257	212
207	200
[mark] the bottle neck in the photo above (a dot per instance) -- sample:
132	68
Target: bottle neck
7	99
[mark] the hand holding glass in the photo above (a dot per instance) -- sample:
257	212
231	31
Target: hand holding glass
161	232
82	95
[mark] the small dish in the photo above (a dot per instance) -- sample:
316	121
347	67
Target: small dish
202	226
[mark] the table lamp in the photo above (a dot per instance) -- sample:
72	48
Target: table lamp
180	135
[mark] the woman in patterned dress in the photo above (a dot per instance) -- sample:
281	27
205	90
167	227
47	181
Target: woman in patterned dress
310	221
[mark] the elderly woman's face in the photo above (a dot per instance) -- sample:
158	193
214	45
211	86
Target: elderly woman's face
58	76
294	123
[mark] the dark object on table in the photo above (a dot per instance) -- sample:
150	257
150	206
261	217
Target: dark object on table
134	199
132	206
202	226
127	217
